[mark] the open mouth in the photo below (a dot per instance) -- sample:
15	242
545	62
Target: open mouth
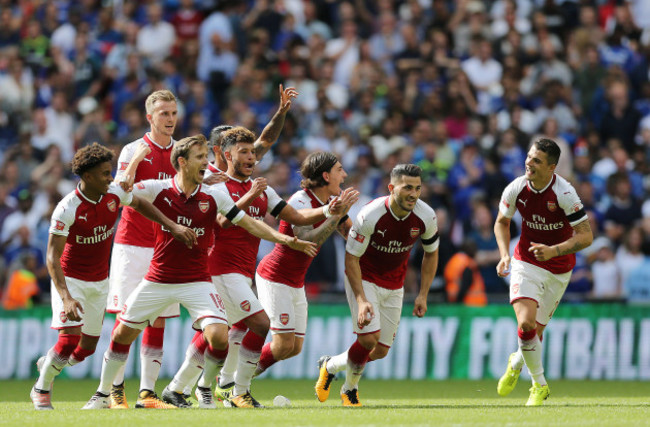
202	172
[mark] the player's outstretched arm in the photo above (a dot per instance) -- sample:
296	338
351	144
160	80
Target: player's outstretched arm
126	178
353	272
502	234
263	231
257	188
149	211
71	306
271	131
428	272
582	237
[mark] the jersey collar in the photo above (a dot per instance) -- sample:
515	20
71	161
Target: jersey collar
387	204
149	140
83	196
314	196
238	180
175	185
530	187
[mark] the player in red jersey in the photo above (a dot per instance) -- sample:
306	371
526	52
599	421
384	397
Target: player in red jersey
376	257
232	267
77	258
178	274
145	158
554	227
281	274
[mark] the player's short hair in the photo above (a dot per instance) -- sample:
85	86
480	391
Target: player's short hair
90	156
313	166
404	169
182	148
549	147
159	95
216	135
235	135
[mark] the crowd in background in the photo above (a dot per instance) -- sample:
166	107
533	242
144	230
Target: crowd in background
458	87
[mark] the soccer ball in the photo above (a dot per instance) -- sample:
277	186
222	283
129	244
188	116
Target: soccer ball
281	401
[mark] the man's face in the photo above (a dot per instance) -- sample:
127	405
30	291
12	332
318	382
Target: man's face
99	178
242	157
195	164
164	117
335	178
537	167
406	191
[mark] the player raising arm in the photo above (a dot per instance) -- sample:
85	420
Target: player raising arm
554	227
77	258
376	258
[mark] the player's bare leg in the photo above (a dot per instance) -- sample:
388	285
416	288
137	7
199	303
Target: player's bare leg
281	347
531	348
249	356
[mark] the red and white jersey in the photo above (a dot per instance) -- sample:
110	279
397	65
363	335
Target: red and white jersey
235	249
173	262
285	265
134	229
89	227
211	170
383	242
548	217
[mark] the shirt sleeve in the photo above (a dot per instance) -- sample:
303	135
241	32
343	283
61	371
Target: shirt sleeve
225	204
125	158
275	202
298	201
147	189
62	220
508	203
572	206
125	198
431	236
359	236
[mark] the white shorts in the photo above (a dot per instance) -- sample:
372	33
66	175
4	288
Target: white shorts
129	264
238	296
285	306
91	295
387	304
150	299
542	286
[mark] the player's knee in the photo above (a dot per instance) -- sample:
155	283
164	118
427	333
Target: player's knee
216	335
527	325
379	352
368	341
297	348
283	349
259	324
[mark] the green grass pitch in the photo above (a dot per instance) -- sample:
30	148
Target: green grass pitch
435	403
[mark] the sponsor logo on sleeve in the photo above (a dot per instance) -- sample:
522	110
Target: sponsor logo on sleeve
356	236
204	205
111	205
576	207
506	204
139	186
552	206
59	226
124	165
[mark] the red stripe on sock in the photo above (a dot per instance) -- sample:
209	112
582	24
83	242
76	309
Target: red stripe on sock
217	353
527	335
153	337
239	325
66	344
358	354
119	348
266	359
80	354
199	342
252	342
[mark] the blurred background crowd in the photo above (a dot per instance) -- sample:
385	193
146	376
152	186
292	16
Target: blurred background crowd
459	87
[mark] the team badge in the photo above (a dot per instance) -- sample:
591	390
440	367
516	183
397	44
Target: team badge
124	309
111	205
62	317
139	186
115	300
245	305
204	205
552	206
59	226
415	231
515	288
284	318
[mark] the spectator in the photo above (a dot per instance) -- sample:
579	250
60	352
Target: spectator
156	39
621	121
606	274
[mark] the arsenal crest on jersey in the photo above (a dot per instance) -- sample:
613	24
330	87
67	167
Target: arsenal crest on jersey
111	205
245	305
284	318
415	231
552	206
62	317
204	205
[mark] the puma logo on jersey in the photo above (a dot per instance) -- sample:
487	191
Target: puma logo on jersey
148	160
168	201
236	195
84	217
523	202
381	232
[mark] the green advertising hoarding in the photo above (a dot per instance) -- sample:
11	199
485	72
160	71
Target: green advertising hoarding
587	341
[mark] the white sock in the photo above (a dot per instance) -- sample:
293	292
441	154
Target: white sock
532	354
189	372
517	361
113	362
337	363
119	377
150	364
52	366
227	374
212	366
245	369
